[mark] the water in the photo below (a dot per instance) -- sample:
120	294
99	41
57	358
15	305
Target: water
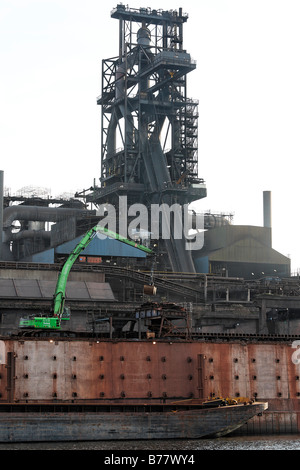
274	442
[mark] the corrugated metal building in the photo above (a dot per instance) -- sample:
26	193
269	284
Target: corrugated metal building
241	250
98	248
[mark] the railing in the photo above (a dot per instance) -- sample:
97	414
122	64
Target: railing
147	11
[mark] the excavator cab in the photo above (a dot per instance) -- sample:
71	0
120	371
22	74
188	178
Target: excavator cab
66	315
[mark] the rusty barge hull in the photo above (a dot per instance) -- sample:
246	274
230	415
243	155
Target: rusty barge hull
80	371
101	425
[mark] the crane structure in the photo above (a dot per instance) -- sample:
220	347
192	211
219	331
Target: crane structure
149	127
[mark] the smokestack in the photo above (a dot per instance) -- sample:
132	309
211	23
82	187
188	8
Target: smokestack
1	213
267	209
268	212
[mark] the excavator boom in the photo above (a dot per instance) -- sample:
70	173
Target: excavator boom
53	321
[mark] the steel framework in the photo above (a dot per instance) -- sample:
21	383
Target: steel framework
149	126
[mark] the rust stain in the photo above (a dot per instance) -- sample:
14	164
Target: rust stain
91	370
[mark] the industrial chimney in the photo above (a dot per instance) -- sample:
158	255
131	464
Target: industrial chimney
268	212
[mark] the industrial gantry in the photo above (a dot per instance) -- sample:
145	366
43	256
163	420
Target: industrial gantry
149	127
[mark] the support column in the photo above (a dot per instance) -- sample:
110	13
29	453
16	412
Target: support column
262	322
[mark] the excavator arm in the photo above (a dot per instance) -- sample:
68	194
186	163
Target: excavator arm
59	312
59	296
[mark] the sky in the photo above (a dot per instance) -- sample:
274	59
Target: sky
246	81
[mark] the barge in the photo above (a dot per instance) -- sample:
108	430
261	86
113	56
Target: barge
121	421
50	381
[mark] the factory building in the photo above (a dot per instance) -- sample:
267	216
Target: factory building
241	251
149	155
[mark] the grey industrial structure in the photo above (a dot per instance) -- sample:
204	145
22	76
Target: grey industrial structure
149	153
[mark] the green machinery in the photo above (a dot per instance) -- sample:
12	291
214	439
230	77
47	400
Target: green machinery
60	312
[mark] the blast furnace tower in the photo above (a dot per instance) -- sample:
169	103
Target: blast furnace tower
149	126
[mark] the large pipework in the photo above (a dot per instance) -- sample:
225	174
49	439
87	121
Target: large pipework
38	213
45	234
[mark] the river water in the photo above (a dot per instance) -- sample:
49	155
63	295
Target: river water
274	442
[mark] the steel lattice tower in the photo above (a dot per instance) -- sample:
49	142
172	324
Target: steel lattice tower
149	126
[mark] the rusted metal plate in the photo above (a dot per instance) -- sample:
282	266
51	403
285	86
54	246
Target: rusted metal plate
73	369
137	369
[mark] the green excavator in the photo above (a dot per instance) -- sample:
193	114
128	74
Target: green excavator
59	311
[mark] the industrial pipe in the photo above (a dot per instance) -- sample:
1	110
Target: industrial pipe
38	213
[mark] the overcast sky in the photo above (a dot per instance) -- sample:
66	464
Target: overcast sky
247	83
